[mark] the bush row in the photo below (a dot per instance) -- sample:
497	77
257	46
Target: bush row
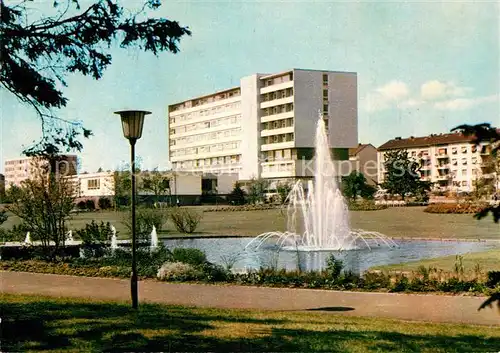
183	265
459	208
365	206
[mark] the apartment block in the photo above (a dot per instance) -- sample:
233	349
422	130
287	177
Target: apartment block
364	158
18	170
452	162
265	127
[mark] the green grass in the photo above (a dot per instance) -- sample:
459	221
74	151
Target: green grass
488	261
33	323
406	222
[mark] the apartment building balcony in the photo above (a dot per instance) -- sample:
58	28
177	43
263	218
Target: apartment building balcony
276	87
189	109
275	102
277	146
442	156
279	131
443	177
278	169
443	166
280	116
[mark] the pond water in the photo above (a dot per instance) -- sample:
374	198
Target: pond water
224	250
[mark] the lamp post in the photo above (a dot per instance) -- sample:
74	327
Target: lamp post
132	123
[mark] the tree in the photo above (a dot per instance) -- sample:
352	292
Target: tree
123	187
490	136
43	204
155	182
283	190
37	55
237	195
256	191
402	174
3	216
355	185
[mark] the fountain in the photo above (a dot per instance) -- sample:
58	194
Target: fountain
114	242
27	240
318	219
154	239
69	236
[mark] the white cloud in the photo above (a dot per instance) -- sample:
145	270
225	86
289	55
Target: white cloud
383	96
435	89
410	103
465	103
394	90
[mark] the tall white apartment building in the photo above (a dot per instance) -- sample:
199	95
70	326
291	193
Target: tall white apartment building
452	162
18	170
264	128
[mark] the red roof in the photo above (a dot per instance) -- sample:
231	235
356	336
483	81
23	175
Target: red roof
426	141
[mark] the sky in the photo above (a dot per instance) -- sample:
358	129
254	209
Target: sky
423	67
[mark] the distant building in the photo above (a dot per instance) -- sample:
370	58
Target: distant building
18	170
2	185
451	161
265	127
364	158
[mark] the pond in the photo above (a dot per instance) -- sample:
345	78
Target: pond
225	250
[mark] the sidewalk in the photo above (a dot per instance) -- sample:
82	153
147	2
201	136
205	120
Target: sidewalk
435	308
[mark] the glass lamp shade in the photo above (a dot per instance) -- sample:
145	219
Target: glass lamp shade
132	123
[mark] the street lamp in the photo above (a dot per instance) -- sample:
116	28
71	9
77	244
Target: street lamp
132	122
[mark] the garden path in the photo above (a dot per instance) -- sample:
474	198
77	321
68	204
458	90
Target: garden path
433	308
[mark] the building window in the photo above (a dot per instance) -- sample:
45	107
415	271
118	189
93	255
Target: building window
464	171
325	94
325	108
325	79
93	184
464	149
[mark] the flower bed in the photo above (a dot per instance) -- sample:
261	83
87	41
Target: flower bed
457	208
242	208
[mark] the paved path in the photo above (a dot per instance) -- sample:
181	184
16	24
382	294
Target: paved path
436	308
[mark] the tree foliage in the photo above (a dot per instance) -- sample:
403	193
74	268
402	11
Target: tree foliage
256	191
402	174
37	54
155	182
237	195
3	216
43	204
355	185
283	190
485	134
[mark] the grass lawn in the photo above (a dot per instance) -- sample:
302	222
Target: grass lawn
488	260
407	222
32	323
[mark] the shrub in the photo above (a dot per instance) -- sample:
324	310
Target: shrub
177	271
402	284
81	205
334	267
376	280
104	203
145	219
185	220
90	205
365	205
94	238
493	278
190	256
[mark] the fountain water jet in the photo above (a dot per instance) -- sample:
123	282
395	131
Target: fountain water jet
154	239
318	219
114	242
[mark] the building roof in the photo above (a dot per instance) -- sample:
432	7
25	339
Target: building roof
425	141
354	151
